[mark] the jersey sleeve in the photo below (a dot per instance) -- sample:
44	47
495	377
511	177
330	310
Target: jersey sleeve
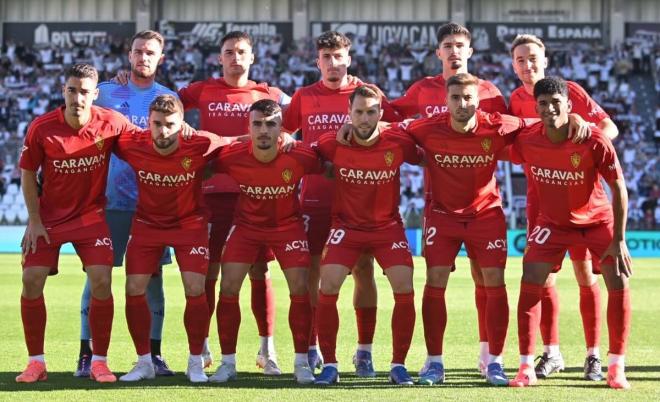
190	94
32	154
516	152
326	146
293	114
389	113
309	160
406	106
605	159
411	152
495	100
281	97
585	106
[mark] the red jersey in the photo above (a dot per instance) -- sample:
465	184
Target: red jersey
567	175
224	110
315	110
462	165
269	191
367	193
428	97
74	165
523	105
169	186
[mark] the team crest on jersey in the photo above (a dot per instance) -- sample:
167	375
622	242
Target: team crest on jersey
99	142
287	175
486	143
186	162
575	160
389	158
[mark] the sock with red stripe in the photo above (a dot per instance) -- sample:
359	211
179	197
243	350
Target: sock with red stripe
313	328
328	325
590	312
619	313
434	315
263	305
33	314
138	318
366	324
403	325
101	313
228	316
300	314
196	321
550	316
529	316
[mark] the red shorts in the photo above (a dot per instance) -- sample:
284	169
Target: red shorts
289	245
389	246
92	244
317	226
484	238
220	207
548	243
146	245
577	253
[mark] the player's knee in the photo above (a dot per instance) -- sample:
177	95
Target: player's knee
194	289
229	287
133	288
437	277
493	277
612	280
32	285
550	281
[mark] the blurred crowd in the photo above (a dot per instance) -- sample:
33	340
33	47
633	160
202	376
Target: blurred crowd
30	80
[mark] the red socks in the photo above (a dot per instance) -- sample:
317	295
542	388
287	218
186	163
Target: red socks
263	305
300	317
101	313
618	319
529	316
196	321
328	325
313	327
366	324
497	318
209	289
590	312
33	314
403	325
480	300
228	316
434	315
138	319
550	316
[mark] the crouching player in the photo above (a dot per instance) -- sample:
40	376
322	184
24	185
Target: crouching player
573	211
366	220
169	176
267	215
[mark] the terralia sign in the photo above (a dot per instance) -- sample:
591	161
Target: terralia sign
498	36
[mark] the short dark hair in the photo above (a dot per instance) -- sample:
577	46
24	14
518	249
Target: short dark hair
462	79
452	28
240	35
366	91
166	104
550	86
81	70
266	106
332	40
149	34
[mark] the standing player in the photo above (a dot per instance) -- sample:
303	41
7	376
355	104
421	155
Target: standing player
462	147
71	145
529	63
366	219
223	104
426	98
169	213
315	110
267	216
573	210
132	100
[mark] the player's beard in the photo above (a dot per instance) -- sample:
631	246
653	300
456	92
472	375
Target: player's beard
462	115
140	74
364	133
264	145
165	143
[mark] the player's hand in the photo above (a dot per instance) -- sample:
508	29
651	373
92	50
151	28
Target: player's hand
621	256
384	125
122	77
287	142
34	230
579	130
353	80
345	134
187	132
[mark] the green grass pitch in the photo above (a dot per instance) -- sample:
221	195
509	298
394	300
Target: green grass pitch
461	347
